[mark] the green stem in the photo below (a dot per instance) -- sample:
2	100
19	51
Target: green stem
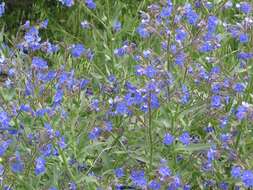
150	133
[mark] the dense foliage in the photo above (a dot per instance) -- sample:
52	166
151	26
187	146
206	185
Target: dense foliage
115	94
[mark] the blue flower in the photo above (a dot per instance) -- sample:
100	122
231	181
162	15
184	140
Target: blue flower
1	169
58	96
236	172
211	153
121	109
39	63
180	59
4	146
223	185
216	88
168	139
120	52
239	88
212	24
72	186
2	9
77	50
44	24
181	35
117	26
164	171
241	112
154	185
4	120
46	150
192	17
95	104
244	38
17	166
175	184
206	47
247	178
90	4
185	138
52	188
143	31
85	24
245	7
216	101
68	3
61	143
186	95
95	133
138	178
244	55
119	172
166	11
40	167
49	48
150	71
32	39
187	187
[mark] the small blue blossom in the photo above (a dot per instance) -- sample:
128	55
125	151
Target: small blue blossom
117	26
154	185
120	52
77	50
121	108
181	35
138	178
243	38
223	185
143	31
187	187
168	139
40	167
211	153
72	186
164	171
236	172
1	169
150	71
4	146
245	7
119	172
241	112
247	178
192	17
216	101
2	9
52	188
212	24
166	11
186	95
180	59
58	96
61	143
206	47
90	4
175	184
17	165
67	3
95	133
185	138
244	55
39	63
85	24
238	87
